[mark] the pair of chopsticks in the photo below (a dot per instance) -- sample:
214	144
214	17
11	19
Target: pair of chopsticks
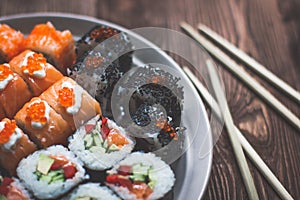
243	75
223	112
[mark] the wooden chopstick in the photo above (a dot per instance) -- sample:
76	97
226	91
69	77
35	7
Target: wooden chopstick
243	75
253	64
237	147
249	150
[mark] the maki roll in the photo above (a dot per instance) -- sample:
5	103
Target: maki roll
72	102
57	46
35	70
104	38
11	43
141	176
14	145
155	107
100	143
51	173
104	54
12	189
92	191
11	86
43	125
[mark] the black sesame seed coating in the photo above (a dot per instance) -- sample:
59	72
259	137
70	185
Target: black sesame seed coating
158	87
104	54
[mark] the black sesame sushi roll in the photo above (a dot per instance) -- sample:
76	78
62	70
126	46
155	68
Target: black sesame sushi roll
154	109
101	143
116	41
92	191
51	172
141	176
104	55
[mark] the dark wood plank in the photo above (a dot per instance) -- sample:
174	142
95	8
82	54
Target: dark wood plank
268	30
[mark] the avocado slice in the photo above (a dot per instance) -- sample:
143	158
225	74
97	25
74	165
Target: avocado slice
140	169
58	178
2	197
152	177
88	140
44	164
105	144
55	173
140	172
46	178
98	139
97	149
138	177
113	147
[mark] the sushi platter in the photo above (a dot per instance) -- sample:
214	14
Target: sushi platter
64	127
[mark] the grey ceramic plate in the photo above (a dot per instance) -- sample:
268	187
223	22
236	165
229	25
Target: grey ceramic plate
191	171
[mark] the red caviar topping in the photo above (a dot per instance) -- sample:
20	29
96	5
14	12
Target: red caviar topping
35	62
66	97
167	128
36	112
5	71
7	131
103	32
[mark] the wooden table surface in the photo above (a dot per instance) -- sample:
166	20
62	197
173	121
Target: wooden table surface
269	30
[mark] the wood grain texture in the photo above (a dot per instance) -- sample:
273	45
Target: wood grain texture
269	30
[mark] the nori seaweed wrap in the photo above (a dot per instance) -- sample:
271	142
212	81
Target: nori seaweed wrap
104	54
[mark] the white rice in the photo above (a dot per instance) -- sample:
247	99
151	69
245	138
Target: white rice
93	190
98	161
42	189
164	175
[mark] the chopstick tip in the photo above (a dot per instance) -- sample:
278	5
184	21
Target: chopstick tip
202	26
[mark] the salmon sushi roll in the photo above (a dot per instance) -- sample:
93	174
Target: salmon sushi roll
43	125
11	43
35	70
11	86
2	113
70	100
15	145
58	47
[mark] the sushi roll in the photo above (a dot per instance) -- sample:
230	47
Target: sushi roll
51	172
11	86
100	143
13	189
141	176
43	125
14	145
72	102
105	37
35	70
11	43
92	191
104	55
57	46
155	108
